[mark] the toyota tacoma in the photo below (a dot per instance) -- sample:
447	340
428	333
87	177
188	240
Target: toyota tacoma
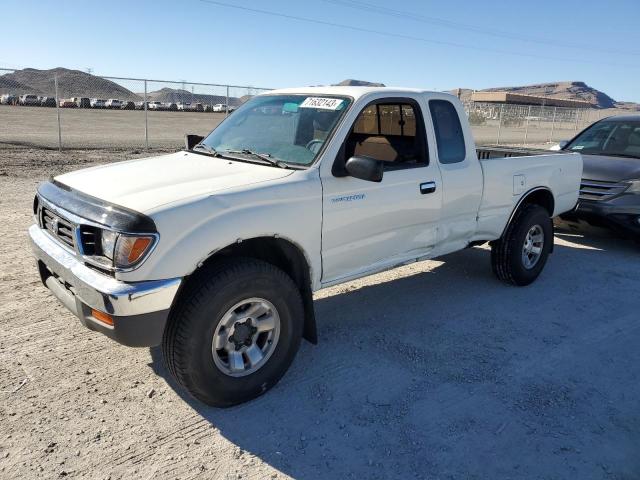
214	252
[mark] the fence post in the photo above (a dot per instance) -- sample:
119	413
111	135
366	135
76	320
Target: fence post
499	124
526	128
553	124
226	110
146	124
55	86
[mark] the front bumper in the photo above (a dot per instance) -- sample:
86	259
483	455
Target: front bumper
621	213
139	310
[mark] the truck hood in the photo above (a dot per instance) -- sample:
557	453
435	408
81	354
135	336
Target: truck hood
147	183
610	169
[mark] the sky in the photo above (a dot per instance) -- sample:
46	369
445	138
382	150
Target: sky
439	45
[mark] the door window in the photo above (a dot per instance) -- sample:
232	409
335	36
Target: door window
387	131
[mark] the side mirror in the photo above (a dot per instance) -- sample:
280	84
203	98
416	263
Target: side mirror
191	141
563	143
365	168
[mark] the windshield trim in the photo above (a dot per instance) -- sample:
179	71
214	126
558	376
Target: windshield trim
330	135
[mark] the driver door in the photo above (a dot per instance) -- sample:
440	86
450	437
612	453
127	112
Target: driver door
370	226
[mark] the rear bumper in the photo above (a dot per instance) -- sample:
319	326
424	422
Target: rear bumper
621	213
139	310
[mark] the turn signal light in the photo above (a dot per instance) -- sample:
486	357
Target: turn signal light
138	248
131	248
102	317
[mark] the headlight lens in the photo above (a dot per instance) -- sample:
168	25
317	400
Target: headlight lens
131	248
108	243
635	187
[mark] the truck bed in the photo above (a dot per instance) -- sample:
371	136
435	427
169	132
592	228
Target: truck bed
506	181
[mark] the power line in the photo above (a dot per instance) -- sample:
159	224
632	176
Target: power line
369	7
411	37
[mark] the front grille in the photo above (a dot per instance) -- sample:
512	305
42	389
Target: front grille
59	227
599	190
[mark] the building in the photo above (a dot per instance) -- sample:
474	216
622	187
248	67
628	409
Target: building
521	99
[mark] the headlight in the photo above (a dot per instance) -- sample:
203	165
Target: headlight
130	249
108	243
123	249
634	187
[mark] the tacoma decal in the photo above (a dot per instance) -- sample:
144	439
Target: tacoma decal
348	198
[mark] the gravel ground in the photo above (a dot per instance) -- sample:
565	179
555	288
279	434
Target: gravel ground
434	370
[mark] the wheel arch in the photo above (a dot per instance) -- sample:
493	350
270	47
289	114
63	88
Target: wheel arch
283	254
541	196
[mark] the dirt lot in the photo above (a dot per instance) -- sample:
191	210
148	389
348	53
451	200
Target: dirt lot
87	128
434	370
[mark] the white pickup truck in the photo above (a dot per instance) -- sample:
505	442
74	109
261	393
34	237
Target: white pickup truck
215	251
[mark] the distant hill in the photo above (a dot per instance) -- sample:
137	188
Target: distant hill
10	85
562	90
358	83
71	83
174	95
75	83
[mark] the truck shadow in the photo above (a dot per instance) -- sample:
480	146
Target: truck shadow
417	367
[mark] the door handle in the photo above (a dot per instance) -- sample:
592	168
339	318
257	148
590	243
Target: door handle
427	187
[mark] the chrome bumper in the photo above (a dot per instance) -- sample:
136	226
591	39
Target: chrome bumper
136	307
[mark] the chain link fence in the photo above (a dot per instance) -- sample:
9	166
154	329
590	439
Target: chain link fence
528	125
72	109
63	108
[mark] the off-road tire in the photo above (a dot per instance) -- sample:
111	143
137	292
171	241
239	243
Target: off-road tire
506	252
187	340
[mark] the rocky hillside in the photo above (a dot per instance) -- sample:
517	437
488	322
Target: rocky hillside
358	83
563	90
71	83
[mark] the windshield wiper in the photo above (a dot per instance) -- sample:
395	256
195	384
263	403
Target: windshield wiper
207	148
265	157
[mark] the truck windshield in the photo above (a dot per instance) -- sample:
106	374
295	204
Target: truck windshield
290	128
615	138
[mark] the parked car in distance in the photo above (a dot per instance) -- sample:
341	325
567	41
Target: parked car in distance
8	99
610	188
83	102
198	107
184	106
155	106
67	103
29	99
47	102
113	103
219	107
215	252
97	103
170	106
140	105
128	105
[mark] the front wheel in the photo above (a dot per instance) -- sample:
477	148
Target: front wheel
520	255
234	332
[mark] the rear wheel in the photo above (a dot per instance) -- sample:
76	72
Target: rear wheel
521	254
234	332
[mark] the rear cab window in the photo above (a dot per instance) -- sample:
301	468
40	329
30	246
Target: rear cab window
448	129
